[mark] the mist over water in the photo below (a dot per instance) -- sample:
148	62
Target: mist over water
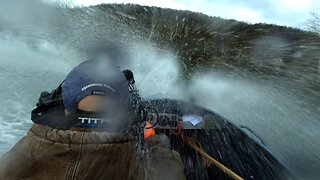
156	71
289	129
270	106
25	72
32	61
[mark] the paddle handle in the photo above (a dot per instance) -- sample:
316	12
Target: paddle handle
215	162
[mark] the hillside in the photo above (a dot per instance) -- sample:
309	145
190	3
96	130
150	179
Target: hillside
203	41
200	42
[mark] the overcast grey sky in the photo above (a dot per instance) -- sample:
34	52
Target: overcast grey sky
282	12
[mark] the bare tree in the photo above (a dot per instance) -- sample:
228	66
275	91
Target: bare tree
313	24
154	23
65	3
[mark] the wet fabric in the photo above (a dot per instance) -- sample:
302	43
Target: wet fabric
47	153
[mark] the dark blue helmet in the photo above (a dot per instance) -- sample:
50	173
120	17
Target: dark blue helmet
94	77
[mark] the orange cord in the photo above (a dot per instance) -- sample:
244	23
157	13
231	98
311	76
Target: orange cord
148	130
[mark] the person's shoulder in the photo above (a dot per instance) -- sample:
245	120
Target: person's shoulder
159	145
158	140
163	163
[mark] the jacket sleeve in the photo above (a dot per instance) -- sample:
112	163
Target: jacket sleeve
161	162
18	162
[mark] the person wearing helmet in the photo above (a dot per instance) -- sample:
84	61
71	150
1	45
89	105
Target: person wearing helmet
92	139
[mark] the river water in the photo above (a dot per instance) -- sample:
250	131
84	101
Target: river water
275	108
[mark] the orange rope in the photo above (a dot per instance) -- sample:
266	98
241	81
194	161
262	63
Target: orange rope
148	131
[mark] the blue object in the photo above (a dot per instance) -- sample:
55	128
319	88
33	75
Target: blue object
94	77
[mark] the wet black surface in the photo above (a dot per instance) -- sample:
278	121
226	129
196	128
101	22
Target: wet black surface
221	139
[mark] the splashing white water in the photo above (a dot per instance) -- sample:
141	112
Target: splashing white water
29	65
25	72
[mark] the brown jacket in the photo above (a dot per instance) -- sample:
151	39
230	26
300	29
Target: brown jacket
47	153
